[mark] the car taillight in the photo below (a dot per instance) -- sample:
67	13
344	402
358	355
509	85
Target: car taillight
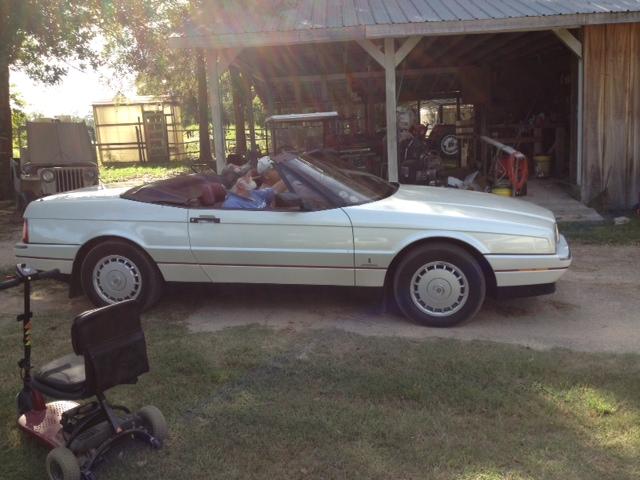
25	231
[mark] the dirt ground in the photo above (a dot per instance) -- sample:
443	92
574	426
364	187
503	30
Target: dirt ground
596	306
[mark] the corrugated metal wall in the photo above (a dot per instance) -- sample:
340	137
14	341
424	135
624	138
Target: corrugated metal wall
612	114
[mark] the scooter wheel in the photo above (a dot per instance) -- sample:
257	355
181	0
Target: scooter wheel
154	420
62	464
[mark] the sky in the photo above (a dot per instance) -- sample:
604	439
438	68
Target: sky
74	95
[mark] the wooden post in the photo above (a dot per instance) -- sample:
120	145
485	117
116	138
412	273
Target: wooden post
389	59
251	119
203	113
238	110
580	121
213	72
391	107
575	45
217	62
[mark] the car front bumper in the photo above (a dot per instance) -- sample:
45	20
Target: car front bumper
516	270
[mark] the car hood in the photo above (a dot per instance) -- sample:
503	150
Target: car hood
459	201
453	209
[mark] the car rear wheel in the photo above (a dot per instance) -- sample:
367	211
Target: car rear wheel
439	285
114	271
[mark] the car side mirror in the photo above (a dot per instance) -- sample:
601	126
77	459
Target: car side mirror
289	200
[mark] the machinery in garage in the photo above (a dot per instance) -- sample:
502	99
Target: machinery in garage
320	133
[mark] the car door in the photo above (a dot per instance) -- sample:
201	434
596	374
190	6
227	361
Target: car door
270	246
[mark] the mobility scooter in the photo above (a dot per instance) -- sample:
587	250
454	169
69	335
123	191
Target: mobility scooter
109	349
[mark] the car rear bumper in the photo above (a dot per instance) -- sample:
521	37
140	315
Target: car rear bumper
516	270
46	257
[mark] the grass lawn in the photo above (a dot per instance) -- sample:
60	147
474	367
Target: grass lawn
604	233
257	403
114	173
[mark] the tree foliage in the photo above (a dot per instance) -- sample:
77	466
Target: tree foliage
39	36
18	119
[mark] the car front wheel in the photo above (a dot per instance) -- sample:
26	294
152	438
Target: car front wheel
114	271
439	285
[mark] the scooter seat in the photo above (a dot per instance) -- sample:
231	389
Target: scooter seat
64	375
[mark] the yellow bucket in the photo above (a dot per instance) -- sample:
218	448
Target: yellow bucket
542	165
503	191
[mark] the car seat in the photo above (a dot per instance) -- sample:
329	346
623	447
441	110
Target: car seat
213	195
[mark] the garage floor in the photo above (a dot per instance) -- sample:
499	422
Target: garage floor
549	193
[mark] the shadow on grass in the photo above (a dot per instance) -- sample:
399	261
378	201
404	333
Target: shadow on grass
252	402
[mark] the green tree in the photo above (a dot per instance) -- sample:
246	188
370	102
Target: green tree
38	36
163	70
18	120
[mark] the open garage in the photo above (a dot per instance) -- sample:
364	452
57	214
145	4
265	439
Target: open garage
550	79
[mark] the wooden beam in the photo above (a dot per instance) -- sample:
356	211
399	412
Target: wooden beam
494	48
543	47
427	52
451	44
404	50
516	45
570	41
226	58
373	50
483	44
411	72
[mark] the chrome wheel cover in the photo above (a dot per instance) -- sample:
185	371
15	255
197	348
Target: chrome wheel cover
439	289
116	278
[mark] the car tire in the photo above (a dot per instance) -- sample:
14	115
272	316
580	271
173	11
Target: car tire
439	285
114	271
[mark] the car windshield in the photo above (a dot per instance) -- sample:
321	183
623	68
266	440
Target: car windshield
346	187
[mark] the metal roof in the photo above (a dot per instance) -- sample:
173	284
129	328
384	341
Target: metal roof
273	22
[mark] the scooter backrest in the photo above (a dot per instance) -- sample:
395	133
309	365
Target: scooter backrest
112	342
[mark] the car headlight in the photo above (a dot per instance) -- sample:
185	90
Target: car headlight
47	176
89	175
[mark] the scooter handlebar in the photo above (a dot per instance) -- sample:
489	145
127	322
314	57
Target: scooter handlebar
13	282
48	274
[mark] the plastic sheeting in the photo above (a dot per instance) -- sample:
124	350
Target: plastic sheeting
612	114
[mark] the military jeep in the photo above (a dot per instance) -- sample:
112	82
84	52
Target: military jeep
58	157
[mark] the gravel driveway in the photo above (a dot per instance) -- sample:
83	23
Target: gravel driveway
596	308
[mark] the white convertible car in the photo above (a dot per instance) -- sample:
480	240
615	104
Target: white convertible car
437	251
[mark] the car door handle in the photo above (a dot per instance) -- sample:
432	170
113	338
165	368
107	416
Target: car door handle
205	219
